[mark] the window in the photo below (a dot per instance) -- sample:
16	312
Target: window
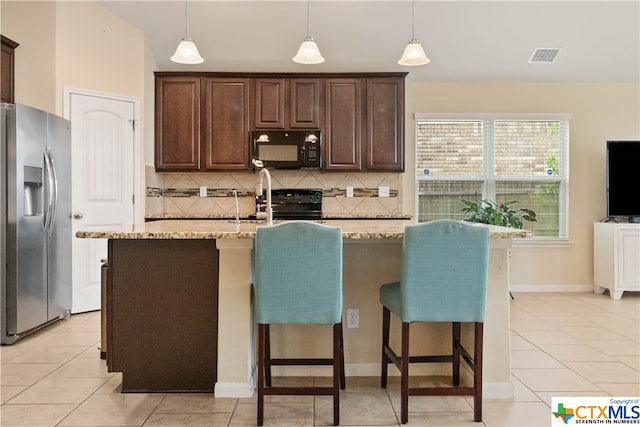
498	157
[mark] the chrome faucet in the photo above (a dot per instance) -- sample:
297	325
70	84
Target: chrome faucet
269	211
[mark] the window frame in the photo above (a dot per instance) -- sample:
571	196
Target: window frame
488	177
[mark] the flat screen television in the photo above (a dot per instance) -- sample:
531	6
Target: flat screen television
623	180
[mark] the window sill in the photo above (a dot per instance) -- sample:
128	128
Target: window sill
540	242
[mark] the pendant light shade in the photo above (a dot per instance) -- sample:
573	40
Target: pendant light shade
413	54
187	52
308	53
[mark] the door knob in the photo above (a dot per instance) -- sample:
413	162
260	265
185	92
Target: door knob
77	215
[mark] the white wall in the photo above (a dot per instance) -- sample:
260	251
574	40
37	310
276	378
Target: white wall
33	26
600	111
97	50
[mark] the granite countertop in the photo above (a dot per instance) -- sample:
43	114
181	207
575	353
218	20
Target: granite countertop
154	217
362	229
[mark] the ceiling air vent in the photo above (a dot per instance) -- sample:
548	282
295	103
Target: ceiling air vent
544	55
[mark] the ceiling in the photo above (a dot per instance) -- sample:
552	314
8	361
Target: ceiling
466	40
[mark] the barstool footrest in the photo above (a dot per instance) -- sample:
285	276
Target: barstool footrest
431	359
447	358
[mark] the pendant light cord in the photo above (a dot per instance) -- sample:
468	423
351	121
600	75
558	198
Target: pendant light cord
308	18
413	20
186	7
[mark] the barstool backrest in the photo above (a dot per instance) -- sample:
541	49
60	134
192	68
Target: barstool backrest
444	272
298	273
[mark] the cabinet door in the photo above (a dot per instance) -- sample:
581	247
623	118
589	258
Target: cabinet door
7	73
269	103
343	124
305	103
628	256
177	138
226	124
384	144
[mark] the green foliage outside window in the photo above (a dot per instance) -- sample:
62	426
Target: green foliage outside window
489	212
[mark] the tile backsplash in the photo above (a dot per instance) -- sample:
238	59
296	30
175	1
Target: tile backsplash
179	193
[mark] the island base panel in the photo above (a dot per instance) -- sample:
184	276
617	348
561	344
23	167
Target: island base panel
162	314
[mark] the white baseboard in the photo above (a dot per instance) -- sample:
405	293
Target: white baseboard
498	390
233	390
551	288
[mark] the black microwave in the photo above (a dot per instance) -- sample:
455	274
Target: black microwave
286	149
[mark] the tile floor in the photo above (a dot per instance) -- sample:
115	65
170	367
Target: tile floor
563	344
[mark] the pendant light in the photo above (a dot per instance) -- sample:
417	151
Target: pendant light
187	52
308	52
413	54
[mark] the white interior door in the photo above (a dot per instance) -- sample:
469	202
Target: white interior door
103	153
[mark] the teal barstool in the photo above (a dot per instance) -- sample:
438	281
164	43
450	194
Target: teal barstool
298	280
443	279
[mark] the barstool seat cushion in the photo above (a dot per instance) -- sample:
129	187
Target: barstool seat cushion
442	263
298	273
390	298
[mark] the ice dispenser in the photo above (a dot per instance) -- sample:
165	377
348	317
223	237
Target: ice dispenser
33	204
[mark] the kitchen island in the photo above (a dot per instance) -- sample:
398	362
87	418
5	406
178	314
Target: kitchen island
184	306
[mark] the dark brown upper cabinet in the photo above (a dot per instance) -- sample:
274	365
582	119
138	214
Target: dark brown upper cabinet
384	140
283	103
269	102
343	124
227	123
177	126
7	72
204	119
202	124
364	124
305	104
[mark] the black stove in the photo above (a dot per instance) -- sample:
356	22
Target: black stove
293	203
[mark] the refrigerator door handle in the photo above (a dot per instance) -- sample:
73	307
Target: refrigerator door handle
54	204
47	190
50	193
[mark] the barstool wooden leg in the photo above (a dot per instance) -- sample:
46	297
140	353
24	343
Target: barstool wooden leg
343	381
404	380
477	374
455	340
267	356
386	318
337	368
261	344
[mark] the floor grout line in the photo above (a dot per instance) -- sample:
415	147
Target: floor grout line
597	312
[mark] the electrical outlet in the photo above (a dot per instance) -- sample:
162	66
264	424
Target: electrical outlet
383	191
353	318
203	191
349	191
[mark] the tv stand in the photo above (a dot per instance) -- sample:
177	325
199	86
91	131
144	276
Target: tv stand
616	250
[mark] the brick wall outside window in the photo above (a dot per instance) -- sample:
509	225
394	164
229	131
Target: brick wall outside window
501	160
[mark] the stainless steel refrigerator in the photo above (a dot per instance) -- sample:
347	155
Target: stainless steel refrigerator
36	233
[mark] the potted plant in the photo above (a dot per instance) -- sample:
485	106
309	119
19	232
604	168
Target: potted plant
489	212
